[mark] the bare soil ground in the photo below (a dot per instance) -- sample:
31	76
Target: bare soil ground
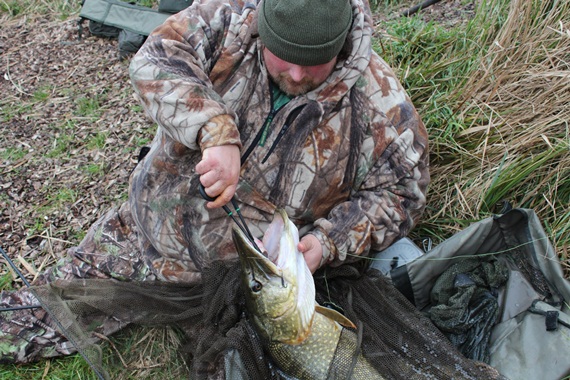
68	139
446	12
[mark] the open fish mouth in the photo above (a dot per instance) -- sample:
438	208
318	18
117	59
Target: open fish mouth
268	259
278	285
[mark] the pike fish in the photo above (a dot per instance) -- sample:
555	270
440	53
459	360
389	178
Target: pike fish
301	336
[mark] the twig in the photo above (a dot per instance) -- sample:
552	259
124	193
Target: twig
14	167
7	76
26	265
418	7
46	369
103	337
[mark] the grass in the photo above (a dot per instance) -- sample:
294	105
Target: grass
12	154
493	94
62	9
89	107
6	281
95	170
11	111
61	145
124	358
41	95
55	200
73	367
98	140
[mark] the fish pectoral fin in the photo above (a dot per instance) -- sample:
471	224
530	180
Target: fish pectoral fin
335	316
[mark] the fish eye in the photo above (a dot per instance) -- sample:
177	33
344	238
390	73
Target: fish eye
255	286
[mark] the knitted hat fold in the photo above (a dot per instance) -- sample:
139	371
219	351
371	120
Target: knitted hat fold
304	32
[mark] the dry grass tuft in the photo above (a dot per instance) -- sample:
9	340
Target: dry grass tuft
146	353
516	142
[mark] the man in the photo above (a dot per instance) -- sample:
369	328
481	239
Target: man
280	105
346	156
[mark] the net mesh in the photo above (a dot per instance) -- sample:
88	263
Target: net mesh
465	303
395	338
531	272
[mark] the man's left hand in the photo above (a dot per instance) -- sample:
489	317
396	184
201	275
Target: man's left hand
311	249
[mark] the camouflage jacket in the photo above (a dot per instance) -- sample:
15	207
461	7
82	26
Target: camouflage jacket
348	161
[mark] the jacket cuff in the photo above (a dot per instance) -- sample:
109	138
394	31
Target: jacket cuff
329	248
219	130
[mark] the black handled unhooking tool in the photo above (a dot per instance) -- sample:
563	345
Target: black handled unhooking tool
242	226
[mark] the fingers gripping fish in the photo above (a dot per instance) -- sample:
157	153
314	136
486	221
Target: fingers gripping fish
300	336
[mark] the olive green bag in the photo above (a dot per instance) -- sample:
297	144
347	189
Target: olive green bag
127	21
173	6
497	290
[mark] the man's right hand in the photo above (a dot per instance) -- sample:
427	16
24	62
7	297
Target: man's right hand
219	172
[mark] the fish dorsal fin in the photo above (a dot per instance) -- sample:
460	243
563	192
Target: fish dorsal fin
335	316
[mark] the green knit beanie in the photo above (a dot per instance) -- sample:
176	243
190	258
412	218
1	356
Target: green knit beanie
304	32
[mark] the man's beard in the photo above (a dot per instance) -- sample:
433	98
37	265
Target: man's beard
292	88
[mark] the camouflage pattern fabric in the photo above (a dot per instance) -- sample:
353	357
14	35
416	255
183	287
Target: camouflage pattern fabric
348	161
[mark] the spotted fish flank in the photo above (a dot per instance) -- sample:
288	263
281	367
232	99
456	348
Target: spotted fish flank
301	337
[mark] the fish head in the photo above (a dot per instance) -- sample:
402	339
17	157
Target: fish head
279	287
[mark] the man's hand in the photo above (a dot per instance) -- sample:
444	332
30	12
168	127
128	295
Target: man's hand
311	249
219	173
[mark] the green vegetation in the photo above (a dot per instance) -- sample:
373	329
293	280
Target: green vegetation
61	145
55	200
12	8
120	358
95	170
12	154
9	111
89	107
41	95
39	225
61	9
97	141
6	281
493	94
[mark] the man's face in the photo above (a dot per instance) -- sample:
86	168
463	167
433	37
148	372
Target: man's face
294	79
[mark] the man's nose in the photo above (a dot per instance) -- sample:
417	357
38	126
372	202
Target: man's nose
297	73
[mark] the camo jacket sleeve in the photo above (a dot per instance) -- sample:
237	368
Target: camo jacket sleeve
389	192
172	77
